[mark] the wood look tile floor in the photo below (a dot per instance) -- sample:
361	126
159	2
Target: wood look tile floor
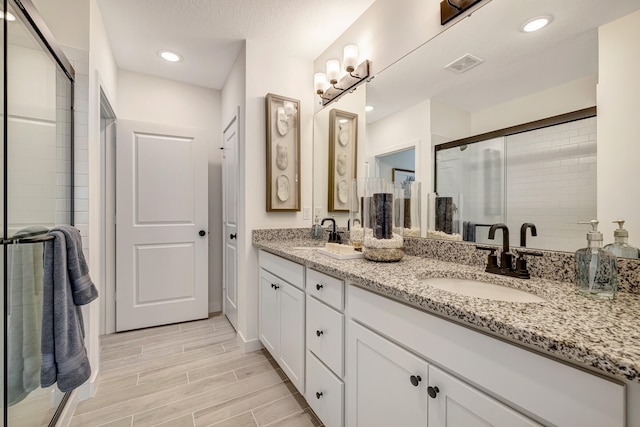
190	374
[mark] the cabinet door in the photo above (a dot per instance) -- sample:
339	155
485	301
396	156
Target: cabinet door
292	333
269	320
386	385
457	404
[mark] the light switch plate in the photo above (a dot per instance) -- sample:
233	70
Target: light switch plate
306	213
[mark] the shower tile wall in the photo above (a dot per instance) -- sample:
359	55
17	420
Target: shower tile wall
551	181
80	61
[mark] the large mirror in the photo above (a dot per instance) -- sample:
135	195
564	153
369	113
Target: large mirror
519	78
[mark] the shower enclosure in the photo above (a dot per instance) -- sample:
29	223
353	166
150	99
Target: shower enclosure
37	194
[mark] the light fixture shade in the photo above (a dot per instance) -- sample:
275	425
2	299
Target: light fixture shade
320	82
350	58
333	71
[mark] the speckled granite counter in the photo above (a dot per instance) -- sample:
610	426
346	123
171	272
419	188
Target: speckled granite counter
604	335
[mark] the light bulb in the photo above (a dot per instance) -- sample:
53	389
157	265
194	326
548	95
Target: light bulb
320	82
169	56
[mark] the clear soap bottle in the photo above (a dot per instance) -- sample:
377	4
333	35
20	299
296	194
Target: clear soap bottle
621	247
596	268
316	230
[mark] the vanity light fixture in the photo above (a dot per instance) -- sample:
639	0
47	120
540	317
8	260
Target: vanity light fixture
167	55
536	23
332	85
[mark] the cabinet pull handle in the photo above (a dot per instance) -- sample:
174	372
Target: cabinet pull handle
433	391
318	333
415	380
233	236
319	286
318	394
274	286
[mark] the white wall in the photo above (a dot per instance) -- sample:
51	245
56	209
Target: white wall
102	74
157	100
571	96
291	77
619	126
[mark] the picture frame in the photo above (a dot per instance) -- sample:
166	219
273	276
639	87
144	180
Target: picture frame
343	152
283	153
402	175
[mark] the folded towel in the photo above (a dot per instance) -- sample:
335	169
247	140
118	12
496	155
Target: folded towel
66	287
24	281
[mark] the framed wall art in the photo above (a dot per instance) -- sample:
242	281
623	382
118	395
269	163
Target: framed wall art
283	153
343	151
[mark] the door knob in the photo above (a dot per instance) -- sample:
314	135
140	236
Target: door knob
233	236
433	391
415	380
202	233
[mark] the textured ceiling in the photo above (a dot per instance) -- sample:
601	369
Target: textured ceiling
209	33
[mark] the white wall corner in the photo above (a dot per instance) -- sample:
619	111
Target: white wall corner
248	346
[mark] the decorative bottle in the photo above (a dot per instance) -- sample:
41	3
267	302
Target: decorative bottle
621	247
316	230
596	268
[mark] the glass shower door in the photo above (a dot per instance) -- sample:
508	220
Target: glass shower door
37	196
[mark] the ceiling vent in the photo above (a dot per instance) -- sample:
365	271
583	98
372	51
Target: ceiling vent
464	63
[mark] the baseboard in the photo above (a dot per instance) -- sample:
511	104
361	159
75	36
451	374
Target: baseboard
64	419
248	346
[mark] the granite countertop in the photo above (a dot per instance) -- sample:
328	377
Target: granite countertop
604	335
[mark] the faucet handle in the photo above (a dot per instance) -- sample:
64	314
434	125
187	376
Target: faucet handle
521	263
492	259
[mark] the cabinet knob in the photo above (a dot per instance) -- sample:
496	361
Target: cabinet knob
202	233
415	380
274	286
233	236
433	391
318	333
318	394
319	286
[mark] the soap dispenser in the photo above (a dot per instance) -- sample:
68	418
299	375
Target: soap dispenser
621	247
596	269
316	230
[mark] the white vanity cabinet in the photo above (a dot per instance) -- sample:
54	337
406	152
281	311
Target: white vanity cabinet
282	314
325	347
480	380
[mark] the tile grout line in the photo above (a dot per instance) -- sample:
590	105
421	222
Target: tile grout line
254	418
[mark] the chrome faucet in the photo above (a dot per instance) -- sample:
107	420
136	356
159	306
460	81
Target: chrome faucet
334	236
506	259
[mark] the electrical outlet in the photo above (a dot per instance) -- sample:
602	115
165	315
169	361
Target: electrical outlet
306	213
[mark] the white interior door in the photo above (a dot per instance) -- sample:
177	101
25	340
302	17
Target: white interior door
230	190
161	225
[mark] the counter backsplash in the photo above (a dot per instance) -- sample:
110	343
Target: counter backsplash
551	266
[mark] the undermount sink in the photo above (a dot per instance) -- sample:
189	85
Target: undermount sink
478	289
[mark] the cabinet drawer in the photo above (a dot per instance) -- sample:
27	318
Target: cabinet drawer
325	334
283	268
325	393
326	288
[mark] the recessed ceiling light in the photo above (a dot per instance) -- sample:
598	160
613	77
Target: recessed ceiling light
167	55
369	108
10	17
536	23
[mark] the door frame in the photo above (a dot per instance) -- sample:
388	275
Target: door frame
107	218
